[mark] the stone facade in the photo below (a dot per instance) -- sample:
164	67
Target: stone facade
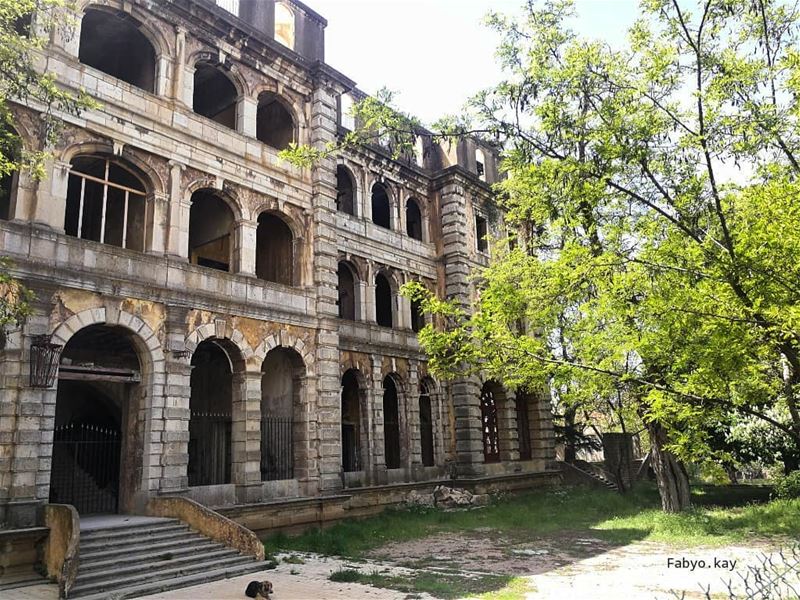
233	318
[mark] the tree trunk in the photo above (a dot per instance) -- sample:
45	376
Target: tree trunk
671	477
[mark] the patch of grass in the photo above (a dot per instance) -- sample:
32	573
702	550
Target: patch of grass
722	514
293	559
516	589
441	585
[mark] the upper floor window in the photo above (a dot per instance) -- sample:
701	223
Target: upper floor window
481	233
480	164
274	250
413	219
380	206
214	94
284	25
383	301
232	6
274	123
346	118
211	224
347	291
345	191
114	44
9	148
105	203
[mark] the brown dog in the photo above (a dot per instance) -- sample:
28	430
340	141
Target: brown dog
259	589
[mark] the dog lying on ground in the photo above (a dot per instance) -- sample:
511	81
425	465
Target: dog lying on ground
259	589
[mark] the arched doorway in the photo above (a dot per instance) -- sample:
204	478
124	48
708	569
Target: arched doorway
96	461
282	379
351	423
211	407
489	429
426	425
391	423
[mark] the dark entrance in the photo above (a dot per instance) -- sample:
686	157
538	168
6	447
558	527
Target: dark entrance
98	374
391	424
426	430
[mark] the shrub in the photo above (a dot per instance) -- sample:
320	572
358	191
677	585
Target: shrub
788	487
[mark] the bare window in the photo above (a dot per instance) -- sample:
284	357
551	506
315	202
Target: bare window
345	191
380	206
274	123
274	254
105	203
426	426
391	424
351	423
481	231
417	318
347	292
214	95
210	406
281	393
346	118
413	219
480	164
9	148
383	301
284	25
232	6
210	231
114	44
490	434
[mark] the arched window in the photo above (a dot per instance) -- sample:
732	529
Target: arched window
391	424
413	219
489	431
274	123
347	292
345	191
383	301
211	407
351	423
284	25
114	44
214	94
426	425
346	118
281	403
105	203
274	253
210	231
480	164
380	206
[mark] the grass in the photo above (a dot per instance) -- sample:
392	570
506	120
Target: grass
721	515
440	585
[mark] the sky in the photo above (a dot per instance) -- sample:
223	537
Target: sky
436	53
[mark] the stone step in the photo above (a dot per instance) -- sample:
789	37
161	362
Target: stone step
146	546
130	541
114	534
208	549
121	576
169	582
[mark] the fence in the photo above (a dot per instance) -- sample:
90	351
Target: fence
209	449
277	448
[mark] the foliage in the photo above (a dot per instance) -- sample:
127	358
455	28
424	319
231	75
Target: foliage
722	515
23	81
788	486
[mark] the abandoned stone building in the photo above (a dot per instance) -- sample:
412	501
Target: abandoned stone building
215	323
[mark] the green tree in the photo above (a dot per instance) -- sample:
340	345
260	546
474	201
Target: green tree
23	81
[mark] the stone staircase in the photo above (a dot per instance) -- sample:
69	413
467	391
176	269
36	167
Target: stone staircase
131	560
595	473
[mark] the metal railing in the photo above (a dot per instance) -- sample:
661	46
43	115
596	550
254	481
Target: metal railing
209	448
277	448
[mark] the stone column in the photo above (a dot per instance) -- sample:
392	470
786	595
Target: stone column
244	250
23	202
177	242
375	400
179	67
246	115
543	445
174	395
156	235
507	426
162	83
368	293
325	262
412	407
464	392
246	436
51	199
394	210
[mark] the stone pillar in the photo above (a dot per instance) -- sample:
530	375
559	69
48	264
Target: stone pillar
325	262
179	67
177	242
162	84
23	202
394	210
67	38
158	206
375	403
412	404
507	427
246	436
403	304
464	392
543	445
368	289
244	250
174	395
246	115
51	200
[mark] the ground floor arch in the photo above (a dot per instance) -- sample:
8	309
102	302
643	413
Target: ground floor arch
353	429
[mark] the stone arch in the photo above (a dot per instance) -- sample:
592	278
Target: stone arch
221	330
227	194
346	190
393	396
284	339
154	182
348	290
232	70
277	123
354	408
